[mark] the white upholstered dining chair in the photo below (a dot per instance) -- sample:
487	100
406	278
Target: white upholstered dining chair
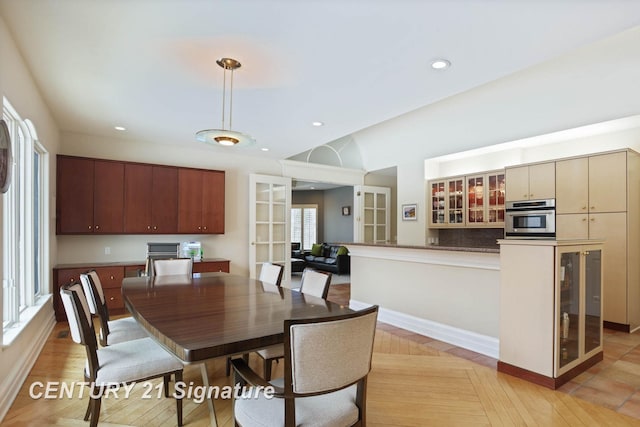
271	273
123	363
111	331
173	267
326	365
315	283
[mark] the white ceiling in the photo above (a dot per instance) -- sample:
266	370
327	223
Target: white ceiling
149	65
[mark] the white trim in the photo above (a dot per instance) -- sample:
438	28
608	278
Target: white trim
452	258
11	385
483	344
322	173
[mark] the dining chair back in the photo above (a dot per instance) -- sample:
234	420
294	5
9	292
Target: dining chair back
315	282
172	267
123	363
111	331
327	362
271	273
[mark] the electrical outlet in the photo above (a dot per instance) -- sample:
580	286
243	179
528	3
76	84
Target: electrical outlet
107	250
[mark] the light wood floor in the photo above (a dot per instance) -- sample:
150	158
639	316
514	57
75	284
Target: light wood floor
412	383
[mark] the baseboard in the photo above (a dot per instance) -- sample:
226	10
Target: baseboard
10	386
622	327
483	344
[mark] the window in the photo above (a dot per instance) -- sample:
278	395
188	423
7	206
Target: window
304	227
25	227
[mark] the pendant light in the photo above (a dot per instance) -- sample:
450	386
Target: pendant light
225	136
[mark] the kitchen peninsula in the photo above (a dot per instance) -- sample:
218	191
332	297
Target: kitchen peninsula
444	292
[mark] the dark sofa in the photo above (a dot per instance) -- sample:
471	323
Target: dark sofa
328	257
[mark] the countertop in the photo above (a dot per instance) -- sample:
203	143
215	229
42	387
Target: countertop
123	263
428	247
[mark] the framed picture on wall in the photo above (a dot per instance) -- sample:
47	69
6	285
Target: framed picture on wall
410	212
346	210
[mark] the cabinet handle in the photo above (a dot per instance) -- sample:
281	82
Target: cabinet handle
524	196
148	227
112	278
593	219
89	227
584	208
111	299
584	219
155	228
205	227
593	207
97	226
199	228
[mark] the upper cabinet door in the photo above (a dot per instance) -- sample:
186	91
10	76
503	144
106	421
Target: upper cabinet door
572	186
74	201
108	197
189	201
200	201
542	181
608	182
517	183
164	204
213	202
137	198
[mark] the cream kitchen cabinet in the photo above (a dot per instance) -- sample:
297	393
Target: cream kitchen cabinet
605	176
485	199
446	202
550	309
529	182
598	197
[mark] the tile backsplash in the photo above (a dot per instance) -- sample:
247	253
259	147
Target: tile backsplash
470	237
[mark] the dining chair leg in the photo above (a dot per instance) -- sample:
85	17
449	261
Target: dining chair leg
95	411
88	413
178	379
165	382
267	369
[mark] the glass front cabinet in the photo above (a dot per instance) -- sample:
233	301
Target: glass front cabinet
446	207
578	314
467	201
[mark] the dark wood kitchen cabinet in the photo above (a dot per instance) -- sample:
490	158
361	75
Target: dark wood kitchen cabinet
150	199
90	196
200	201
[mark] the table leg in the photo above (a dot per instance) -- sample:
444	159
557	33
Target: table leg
205	382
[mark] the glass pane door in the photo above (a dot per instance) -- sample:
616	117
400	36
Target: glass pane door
269	220
569	308
593	295
373	206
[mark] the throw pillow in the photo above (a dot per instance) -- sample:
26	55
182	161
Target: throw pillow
342	250
316	249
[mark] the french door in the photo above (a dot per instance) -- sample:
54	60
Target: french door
372	219
269	223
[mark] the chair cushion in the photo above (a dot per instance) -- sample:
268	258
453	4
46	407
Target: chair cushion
134	360
333	409
125	329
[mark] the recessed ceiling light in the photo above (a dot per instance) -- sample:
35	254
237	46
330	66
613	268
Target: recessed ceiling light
120	128
264	149
317	124
440	64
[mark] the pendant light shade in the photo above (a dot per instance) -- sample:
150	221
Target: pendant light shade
225	136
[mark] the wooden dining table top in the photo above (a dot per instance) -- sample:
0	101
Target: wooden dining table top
217	314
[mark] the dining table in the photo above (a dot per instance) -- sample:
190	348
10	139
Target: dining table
207	315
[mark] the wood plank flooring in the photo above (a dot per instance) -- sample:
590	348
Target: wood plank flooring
415	381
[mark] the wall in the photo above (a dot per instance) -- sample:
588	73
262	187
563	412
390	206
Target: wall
338	227
17	85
